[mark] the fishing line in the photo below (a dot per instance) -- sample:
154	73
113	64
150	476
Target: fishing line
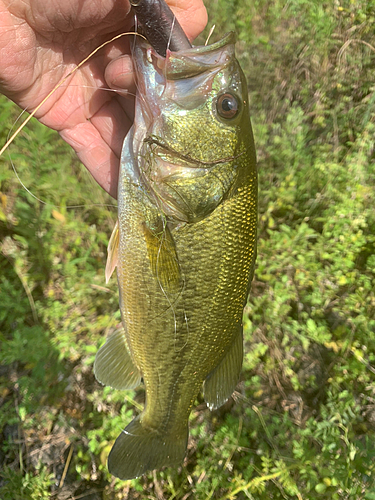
122	92
138	94
45	202
108	205
170	34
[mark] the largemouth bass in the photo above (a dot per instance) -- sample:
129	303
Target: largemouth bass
184	247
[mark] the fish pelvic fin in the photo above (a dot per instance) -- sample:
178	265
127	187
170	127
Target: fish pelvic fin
112	258
113	364
222	381
138	450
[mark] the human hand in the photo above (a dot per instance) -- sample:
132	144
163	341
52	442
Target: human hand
41	42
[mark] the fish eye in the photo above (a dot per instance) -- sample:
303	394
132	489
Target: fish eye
228	106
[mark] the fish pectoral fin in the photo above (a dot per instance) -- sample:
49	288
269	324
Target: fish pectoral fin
139	449
163	257
113	364
222	381
112	258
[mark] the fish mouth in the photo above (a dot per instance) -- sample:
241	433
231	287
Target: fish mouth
161	148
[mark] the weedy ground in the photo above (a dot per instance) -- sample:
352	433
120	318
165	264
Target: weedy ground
302	425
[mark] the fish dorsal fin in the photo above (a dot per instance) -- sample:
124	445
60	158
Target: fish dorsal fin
112	258
222	381
113	364
163	257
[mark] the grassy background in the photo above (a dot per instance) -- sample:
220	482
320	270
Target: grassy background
302	422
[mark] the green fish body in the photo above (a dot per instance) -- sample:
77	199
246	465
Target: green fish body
184	246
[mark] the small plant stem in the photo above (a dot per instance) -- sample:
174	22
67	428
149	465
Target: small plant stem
67	463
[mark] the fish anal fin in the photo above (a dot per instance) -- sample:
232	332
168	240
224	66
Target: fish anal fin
113	364
163	257
138	450
112	258
222	381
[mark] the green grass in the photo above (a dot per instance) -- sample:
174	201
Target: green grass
303	422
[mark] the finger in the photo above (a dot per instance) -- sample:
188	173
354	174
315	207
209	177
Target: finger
95	154
119	74
191	14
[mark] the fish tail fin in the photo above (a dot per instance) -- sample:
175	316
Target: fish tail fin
138	450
